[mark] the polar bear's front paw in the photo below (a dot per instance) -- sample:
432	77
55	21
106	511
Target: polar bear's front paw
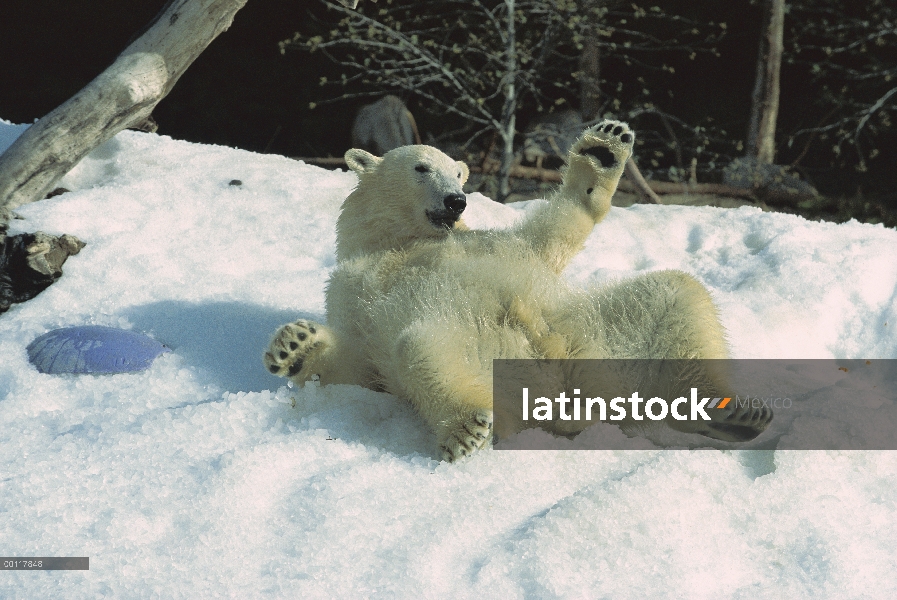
596	162
467	436
292	346
608	144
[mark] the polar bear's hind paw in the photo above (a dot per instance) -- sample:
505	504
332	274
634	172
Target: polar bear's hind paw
741	424
467	437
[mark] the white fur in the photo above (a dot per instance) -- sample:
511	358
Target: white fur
421	311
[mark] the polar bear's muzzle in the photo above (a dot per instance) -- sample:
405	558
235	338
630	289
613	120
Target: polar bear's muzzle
446	217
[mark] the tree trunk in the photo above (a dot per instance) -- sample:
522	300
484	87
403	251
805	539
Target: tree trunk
509	110
590	105
121	96
765	97
590	78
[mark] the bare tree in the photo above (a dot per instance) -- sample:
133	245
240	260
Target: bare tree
474	72
761	139
757	169
509	107
482	60
851	51
590	78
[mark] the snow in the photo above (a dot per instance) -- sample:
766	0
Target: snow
198	478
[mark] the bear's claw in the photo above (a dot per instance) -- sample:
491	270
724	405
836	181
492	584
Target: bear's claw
468	436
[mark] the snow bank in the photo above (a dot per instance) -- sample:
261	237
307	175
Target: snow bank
198	478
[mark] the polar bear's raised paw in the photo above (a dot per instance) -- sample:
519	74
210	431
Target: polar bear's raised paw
595	164
292	345
467	436
609	143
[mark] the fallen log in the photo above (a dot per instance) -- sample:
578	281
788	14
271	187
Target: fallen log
656	187
668	187
122	96
326	161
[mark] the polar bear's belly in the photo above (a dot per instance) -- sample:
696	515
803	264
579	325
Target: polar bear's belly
473	289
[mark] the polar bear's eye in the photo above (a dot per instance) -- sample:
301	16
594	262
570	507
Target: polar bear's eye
421	169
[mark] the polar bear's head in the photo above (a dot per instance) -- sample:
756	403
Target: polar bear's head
413	192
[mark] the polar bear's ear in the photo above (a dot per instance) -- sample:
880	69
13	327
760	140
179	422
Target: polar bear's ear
361	161
464	172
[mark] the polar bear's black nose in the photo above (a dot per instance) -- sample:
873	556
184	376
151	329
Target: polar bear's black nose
456	203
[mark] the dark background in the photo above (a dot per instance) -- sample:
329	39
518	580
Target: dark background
237	93
243	92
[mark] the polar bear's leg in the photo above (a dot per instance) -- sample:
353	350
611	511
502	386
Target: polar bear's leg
669	314
303	349
664	314
595	163
468	432
453	395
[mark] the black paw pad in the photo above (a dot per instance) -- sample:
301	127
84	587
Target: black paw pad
604	156
295	368
608	128
626	138
301	335
274	369
283	355
293	346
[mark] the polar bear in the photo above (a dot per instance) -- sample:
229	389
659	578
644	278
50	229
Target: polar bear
419	305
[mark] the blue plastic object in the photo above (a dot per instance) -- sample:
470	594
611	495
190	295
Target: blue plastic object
93	349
